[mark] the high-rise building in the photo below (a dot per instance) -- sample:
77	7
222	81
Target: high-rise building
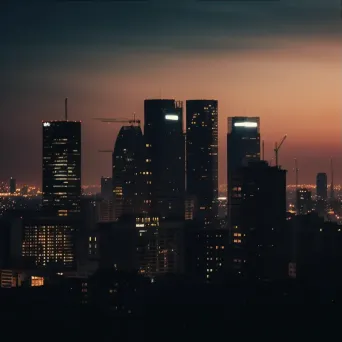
165	157
322	186
62	167
243	146
50	242
12	185
304	201
321	193
107	188
258	219
202	157
128	171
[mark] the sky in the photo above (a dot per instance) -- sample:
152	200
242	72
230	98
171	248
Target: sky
280	60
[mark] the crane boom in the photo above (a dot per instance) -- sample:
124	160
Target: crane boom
277	148
120	120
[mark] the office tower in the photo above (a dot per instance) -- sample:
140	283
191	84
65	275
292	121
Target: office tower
142	243
258	217
322	186
106	211
49	242
202	157
243	146
304	201
106	188
62	167
165	157
12	186
321	193
128	174
206	251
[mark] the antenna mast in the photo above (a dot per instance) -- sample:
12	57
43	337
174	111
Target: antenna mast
263	150
66	109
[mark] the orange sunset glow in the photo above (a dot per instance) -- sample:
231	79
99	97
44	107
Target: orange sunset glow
290	77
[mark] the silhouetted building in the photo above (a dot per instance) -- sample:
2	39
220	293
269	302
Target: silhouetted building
129	177
24	190
107	188
62	167
50	242
202	157
12	186
322	186
318	250
106	211
258	217
243	146
304	201
144	244
206	251
165	157
321	193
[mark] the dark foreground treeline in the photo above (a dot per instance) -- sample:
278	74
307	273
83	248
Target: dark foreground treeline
171	309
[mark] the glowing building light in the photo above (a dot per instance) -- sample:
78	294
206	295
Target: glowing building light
245	124
171	117
46	124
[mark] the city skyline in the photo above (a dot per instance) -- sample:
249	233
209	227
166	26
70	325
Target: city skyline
277	61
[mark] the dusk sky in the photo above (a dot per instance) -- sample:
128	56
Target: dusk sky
280	60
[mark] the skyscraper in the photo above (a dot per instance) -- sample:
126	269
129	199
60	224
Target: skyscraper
12	185
322	186
202	157
128	173
243	146
304	201
165	157
62	167
258	218
107	188
321	193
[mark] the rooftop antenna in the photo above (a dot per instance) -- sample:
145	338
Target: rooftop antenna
263	150
66	109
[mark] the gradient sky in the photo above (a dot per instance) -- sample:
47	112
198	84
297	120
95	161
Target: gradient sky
280	60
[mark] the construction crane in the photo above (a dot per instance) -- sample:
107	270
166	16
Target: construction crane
277	148
120	120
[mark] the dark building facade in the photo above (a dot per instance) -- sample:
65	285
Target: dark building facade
321	193
317	249
50	242
304	201
107	188
143	244
258	219
322	186
129	178
202	157
62	167
165	157
243	146
12	186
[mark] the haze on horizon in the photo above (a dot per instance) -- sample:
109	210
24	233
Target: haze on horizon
280	60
